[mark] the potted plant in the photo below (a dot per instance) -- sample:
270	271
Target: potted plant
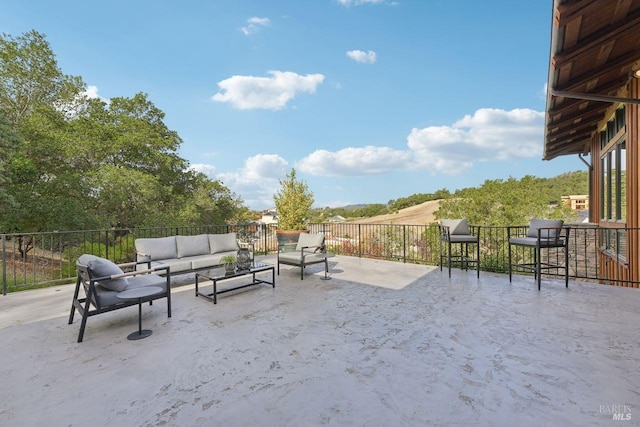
229	262
293	201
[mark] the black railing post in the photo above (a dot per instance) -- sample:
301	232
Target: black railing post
404	244
4	265
106	244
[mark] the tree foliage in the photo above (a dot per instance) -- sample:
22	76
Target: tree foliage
29	75
72	162
416	199
293	201
514	202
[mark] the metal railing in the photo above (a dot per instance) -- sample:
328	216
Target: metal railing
31	260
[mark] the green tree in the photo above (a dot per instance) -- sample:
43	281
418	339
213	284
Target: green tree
76	163
212	203
9	142
293	201
29	75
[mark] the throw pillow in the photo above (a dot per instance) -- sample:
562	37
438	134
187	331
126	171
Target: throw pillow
223	243
100	267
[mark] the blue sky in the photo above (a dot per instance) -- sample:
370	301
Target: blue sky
369	100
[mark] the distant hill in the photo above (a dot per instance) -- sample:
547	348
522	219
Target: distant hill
421	214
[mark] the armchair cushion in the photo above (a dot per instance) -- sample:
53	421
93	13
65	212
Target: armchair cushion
544	223
310	240
456	226
296	257
101	267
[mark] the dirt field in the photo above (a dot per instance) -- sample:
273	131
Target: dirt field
415	215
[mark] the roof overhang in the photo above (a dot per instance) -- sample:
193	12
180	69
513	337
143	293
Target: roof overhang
595	48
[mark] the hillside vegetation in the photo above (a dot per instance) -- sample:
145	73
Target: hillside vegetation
495	202
415	215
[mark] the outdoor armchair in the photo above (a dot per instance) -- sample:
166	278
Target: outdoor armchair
309	249
540	234
102	281
459	232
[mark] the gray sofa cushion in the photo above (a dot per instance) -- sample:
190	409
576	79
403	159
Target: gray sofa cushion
456	226
158	248
223	243
101	267
175	265
310	240
192	245
198	262
541	223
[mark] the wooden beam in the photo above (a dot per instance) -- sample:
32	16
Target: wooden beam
627	26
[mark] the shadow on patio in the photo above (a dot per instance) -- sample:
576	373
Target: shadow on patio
382	343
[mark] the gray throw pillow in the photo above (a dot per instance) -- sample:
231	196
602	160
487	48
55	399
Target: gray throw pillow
223	243
192	245
100	267
158	248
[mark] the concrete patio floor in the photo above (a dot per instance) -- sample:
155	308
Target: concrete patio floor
380	344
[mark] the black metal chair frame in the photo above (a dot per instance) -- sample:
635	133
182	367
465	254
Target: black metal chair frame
88	306
560	239
447	240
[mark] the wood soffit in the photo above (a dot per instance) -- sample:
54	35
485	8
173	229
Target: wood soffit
595	45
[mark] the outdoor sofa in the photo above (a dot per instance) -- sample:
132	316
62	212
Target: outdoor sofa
186	254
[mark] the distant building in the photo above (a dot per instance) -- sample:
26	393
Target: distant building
269	217
577	202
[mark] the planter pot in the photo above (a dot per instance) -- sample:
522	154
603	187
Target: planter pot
229	268
288	236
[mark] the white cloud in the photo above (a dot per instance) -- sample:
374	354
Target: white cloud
255	24
257	181
368	57
92	92
487	135
208	170
352	161
269	93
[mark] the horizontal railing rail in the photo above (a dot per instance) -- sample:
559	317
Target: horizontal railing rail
41	259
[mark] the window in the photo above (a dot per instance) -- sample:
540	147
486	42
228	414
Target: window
613	186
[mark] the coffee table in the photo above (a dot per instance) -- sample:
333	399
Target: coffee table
218	275
139	294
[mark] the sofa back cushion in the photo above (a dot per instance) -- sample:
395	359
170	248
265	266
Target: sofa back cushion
309	240
541	223
456	226
223	243
192	245
158	248
100	267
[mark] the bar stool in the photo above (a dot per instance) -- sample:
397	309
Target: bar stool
459	232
